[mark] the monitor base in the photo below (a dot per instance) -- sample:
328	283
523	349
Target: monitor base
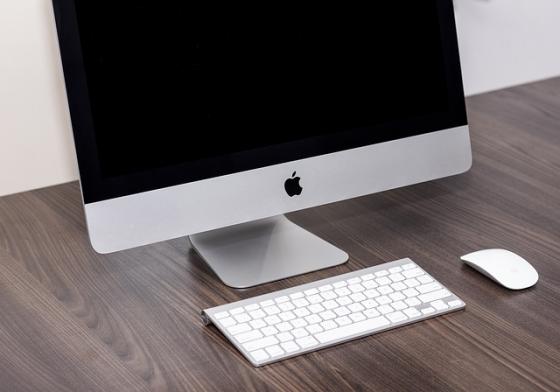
264	251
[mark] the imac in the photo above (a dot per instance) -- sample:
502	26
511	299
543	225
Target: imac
214	121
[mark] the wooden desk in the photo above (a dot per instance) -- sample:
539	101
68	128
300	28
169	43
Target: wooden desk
73	320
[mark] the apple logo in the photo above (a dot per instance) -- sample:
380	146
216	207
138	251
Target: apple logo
292	186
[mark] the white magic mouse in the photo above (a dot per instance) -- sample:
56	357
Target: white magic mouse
505	267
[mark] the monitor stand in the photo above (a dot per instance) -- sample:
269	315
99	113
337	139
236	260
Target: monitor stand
263	251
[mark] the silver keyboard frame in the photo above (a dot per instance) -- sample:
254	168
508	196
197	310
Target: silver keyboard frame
208	314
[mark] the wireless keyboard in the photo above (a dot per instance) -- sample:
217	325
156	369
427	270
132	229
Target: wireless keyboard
295	321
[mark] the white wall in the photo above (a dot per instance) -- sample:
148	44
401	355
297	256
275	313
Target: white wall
503	43
507	42
36	147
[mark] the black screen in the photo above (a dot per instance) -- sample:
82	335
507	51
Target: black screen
181	92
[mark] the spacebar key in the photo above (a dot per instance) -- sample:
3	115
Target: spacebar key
352	329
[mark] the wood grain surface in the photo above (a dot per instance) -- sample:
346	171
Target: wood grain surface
73	320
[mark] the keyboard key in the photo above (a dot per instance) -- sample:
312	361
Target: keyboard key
221	315
260	343
411	312
370	313
428	310
285	326
426	288
299	333
290	347
399	305
434	295
410	293
408	266
268	331
236	311
397	317
379	274
411	282
298	323
270	310
395	270
286	306
301	302
383	300
367	277
340	284
259	355
330	304
315	308
412	301
250	308
257	324
313	329
296	295
315	299
313	319
398	286
257	314
274	351
239	328
342	291
342	311
356	307
242	318
311	292
287	316
355	317
328	295
356	288
267	303
397	296
383	281
307	342
412	273
425	279
282	299
384	309
328	315
358	297
369	303
396	277
284	337
439	305
272	320
228	322
385	289
352	329
370	284
455	303
372	293
326	287
344	301
302	312
353	281
249	336
344	320
328	325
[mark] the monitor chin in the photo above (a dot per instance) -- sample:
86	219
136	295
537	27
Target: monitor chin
192	208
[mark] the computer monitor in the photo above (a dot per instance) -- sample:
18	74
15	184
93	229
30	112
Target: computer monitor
212	121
